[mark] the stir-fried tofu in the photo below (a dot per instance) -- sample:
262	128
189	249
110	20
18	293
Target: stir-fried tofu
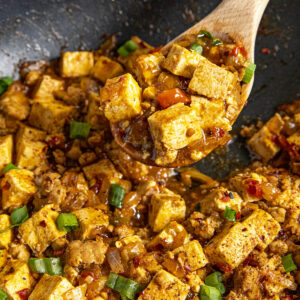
181	61
16	277
91	221
217	199
40	230
148	68
175	127
164	208
121	98
165	286
83	254
46	86
15	104
28	133
6	150
77	63
294	139
5	237
210	112
106	68
211	80
51	288
3	256
76	293
187	258
49	115
172	236
17	186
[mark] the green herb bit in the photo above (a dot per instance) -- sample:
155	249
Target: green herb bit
46	265
79	130
196	47
288	263
19	215
249	72
209	293
9	167
230	214
116	195
66	222
205	33
5	82
3	295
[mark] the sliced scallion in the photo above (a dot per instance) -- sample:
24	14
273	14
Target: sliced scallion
209	293
9	167
216	42
249	72
230	214
116	195
288	263
196	47
79	130
66	222
215	280
123	51
5	82
46	265
205	33
3	295
127	48
19	215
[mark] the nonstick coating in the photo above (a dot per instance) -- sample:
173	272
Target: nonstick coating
33	30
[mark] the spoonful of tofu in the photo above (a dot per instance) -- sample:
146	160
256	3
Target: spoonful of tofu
177	103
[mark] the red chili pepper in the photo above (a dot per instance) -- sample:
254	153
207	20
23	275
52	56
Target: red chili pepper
136	261
224	268
58	252
235	51
86	274
238	216
221	132
97	186
293	150
156	49
225	197
43	223
254	188
266	50
45	149
243	51
170	97
23	294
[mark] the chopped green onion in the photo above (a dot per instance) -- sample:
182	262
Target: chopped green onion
9	167
66	222
130	46
198	207
5	82
19	215
216	42
215	280
116	195
288	263
126	287
204	33
230	214
3	295
79	130
249	71
46	265
123	51
196	47
209	293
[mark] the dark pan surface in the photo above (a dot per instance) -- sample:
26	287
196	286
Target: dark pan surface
32	30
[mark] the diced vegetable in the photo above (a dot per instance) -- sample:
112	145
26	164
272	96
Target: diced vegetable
288	263
215	280
204	33
79	130
196	47
230	214
249	72
5	82
171	97
209	293
66	222
116	195
125	286
3	295
216	42
9	167
127	48
123	51
19	215
48	265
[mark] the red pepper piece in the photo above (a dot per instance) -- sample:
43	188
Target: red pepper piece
170	97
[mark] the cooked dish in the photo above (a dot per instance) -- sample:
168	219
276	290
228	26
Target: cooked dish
81	219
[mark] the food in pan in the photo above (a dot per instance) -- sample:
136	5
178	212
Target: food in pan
81	219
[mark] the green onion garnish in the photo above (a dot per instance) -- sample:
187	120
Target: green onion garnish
215	280
79	130
198	207
126	287
249	71
116	195
196	47
127	48
3	295
204	33
9	167
230	214
48	265
209	293
288	263
5	82
66	222
216	42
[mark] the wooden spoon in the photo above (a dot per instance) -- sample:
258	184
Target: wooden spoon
232	21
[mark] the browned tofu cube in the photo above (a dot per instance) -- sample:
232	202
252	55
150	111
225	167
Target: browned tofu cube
121	98
15	104
294	139
46	86
148	68
50	116
211	80
77	63
7	236
106	68
28	133
175	127
275	124
6	150
181	61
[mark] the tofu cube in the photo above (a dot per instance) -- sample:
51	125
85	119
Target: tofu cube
50	116
171	237
3	256
148	68
165	286
5	237
51	288
175	127
164	208
106	68
275	124
181	61
217	200
6	150
294	139
15	104
18	187
46	86
77	63
77	293
91	221
211	80
28	133
15	277
263	144
210	112
187	258
40	230
121	98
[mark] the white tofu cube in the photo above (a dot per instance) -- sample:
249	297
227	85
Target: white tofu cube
6	150
46	86
5	237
